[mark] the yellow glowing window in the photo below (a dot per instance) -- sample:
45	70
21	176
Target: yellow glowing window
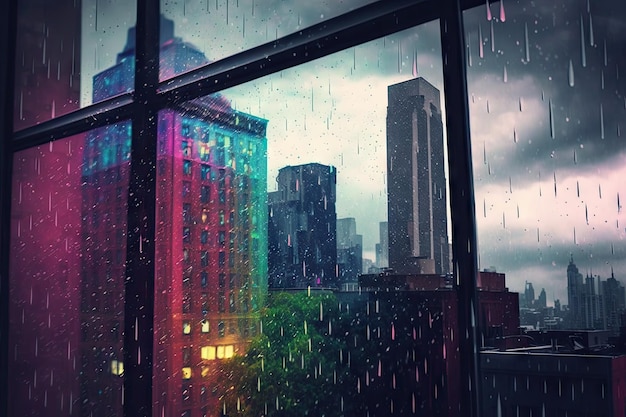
186	327
186	372
205	371
205	215
117	367
205	326
207	352
220	352
229	351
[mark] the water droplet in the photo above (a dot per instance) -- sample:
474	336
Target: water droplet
601	122
505	75
591	40
570	74
489	17
583	56
480	41
526	45
551	119
502	13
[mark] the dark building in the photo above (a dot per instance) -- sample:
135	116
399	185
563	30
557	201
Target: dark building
349	250
416	183
614	302
211	277
586	309
544	381
409	322
382	248
302	249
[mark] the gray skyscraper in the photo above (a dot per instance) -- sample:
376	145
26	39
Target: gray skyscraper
302	227
349	250
416	183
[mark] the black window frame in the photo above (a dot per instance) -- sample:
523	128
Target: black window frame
141	108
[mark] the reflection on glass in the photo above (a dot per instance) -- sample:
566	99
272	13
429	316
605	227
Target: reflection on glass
220	28
547	109
67	273
60	46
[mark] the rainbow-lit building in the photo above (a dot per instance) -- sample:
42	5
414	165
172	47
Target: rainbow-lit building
211	275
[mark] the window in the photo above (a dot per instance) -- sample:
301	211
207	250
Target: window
187	167
205	193
186	327
298	123
204	326
205	171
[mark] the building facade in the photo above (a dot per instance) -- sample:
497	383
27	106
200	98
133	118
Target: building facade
349	251
416	183
303	228
211	242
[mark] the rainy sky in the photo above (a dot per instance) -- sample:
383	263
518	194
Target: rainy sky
546	102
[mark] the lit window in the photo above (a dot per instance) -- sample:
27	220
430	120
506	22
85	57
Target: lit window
186	327
186	372
204	326
208	353
117	367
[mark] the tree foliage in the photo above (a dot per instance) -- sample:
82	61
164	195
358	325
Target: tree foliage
297	365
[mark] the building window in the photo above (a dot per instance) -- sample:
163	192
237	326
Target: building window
186	327
221	238
205	193
186	235
186	148
221	259
204	326
186	189
187	167
186	372
204	278
205	171
204	236
186	213
204	258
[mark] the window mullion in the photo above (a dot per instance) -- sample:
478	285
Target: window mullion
139	286
8	31
461	203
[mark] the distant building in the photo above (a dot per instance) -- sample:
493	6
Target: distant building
614	303
542	301
416	183
554	381
586	309
349	250
382	248
302	228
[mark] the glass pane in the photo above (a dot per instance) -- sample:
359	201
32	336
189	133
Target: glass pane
547	110
68	239
63	47
271	201
196	32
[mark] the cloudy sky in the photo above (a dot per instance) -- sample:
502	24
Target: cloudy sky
546	100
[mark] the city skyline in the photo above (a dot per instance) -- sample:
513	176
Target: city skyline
515	156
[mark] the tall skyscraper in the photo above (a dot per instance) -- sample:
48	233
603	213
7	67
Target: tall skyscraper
416	183
614	303
302	227
586	310
349	250
211	242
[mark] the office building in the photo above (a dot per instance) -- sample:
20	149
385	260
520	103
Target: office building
382	248
349	251
302	228
416	183
211	242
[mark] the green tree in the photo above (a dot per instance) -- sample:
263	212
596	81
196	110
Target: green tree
296	366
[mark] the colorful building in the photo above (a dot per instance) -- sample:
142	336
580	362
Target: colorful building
211	243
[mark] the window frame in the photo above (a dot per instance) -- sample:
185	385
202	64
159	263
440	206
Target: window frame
345	31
